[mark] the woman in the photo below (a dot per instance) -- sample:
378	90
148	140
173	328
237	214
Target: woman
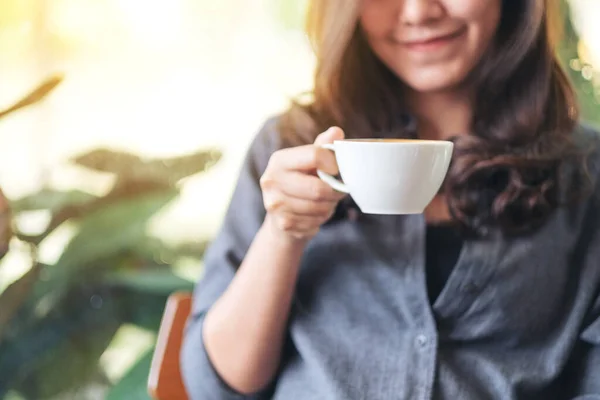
493	293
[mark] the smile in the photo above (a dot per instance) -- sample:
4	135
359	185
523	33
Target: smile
433	43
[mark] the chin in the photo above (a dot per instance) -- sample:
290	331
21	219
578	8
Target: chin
438	80
432	86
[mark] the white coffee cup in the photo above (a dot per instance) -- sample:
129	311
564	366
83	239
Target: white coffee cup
390	176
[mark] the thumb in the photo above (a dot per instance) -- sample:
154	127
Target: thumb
331	134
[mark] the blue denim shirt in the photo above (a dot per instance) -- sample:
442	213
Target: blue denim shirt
519	318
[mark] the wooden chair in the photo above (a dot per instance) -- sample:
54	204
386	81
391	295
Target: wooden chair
164	380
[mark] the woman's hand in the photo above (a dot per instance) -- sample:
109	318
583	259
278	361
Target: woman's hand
296	200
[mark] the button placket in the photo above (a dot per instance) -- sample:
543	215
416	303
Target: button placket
425	344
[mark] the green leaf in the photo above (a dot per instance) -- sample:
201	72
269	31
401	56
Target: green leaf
14	396
112	229
142	309
51	200
128	187
106	160
35	96
15	295
157	280
71	375
133	385
59	352
177	168
6	229
143	294
129	167
102	234
119	193
160	252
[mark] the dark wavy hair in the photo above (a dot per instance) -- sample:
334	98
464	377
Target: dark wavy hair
507	172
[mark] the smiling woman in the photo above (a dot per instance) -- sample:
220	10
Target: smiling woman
493	60
308	296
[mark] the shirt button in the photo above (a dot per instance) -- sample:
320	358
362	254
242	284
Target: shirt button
421	341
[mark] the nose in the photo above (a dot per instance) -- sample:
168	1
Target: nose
417	12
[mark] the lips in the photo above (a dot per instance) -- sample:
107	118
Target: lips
432	40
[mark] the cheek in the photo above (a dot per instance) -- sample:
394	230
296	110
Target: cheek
483	16
469	9
377	18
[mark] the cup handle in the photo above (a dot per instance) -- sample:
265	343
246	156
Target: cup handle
330	180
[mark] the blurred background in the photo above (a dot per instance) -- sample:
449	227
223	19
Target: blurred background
124	127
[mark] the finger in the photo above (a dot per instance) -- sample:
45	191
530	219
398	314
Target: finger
309	157
326	161
329	136
308	187
300	158
278	201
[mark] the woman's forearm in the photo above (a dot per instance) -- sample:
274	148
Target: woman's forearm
245	329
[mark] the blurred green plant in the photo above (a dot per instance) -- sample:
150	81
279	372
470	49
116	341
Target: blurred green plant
57	320
579	72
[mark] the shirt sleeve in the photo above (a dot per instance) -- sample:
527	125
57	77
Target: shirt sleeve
587	375
588	382
223	257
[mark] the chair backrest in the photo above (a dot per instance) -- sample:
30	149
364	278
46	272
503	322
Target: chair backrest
164	380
